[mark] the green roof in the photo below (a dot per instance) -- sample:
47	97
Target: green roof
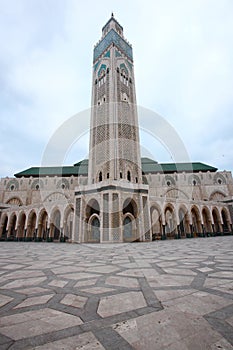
148	166
79	168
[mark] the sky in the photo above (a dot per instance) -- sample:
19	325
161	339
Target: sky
183	65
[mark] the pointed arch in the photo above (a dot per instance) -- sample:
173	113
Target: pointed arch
43	230
130	211
226	222
206	218
55	224
196	221
130	206
21	229
168	181
184	221
15	201
13	185
129	228
175	193
217	196
216	221
31	226
219	179
56	197
63	184
170	221
93	232
12	226
68	221
156	221
92	207
37	185
3	226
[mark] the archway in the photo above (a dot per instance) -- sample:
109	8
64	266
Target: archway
43	226
130	212
184	226
12	228
3	228
206	221
170	222
94	229
196	221
68	223
56	225
21	226
128	229
156	223
217	221
92	208
225	221
130	206
31	226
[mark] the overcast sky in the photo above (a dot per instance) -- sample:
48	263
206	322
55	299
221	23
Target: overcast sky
183	59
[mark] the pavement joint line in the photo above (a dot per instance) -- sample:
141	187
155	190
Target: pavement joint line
110	339
176	261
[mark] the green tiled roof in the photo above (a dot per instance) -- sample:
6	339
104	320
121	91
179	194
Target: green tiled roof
79	168
148	166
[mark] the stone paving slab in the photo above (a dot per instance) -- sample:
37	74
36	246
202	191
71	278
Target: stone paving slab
175	295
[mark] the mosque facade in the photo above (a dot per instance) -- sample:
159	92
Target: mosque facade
115	195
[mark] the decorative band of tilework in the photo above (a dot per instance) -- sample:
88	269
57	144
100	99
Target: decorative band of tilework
113	37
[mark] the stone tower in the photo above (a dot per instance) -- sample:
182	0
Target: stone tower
113	206
114	141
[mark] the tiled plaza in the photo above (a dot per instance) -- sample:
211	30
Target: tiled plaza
174	295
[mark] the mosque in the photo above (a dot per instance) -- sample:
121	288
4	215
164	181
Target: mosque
115	195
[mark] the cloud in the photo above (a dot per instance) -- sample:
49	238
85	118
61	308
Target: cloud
183	68
190	76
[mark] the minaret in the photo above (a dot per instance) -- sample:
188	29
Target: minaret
114	140
113	206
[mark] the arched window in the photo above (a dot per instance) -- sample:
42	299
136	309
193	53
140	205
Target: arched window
100	176
128	176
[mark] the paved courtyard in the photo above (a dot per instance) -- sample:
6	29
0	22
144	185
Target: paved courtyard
174	295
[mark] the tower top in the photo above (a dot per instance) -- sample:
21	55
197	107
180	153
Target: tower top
112	34
112	24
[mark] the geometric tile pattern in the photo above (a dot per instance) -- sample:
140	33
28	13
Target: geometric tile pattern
171	295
